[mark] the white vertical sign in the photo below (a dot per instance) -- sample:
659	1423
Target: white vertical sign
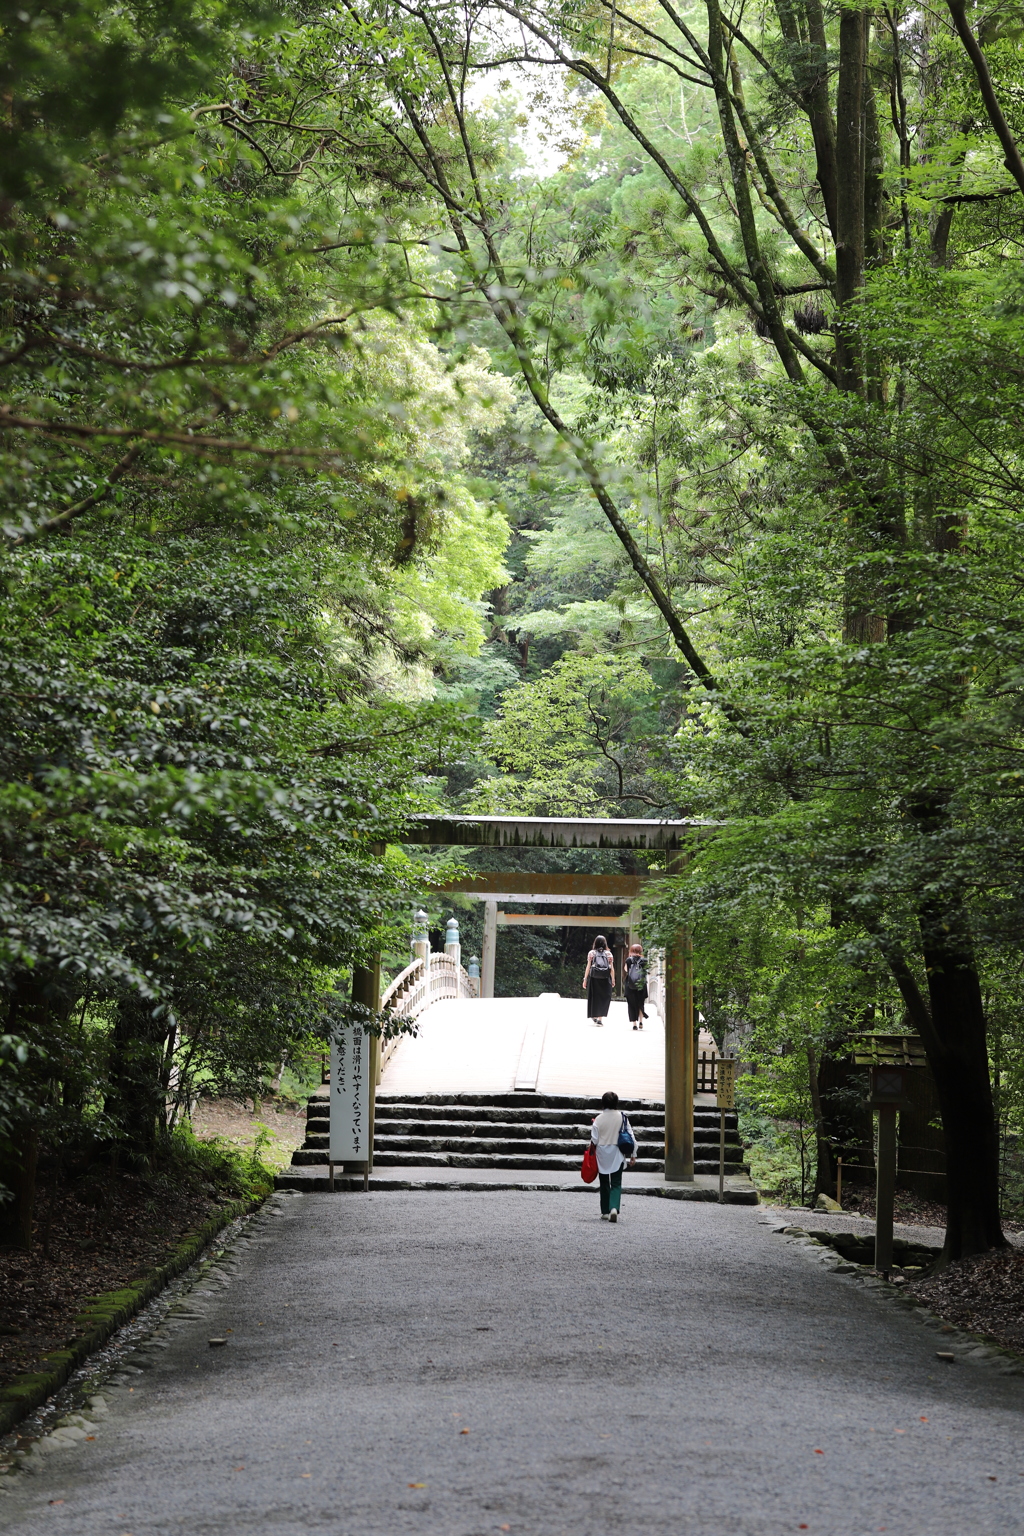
350	1096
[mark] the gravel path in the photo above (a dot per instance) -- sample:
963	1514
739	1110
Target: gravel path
687	1371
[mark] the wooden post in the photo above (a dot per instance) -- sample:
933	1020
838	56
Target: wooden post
489	948
725	1090
366	990
679	1054
885	1187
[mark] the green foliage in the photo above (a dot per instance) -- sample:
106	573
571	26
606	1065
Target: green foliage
573	742
230	1170
240	539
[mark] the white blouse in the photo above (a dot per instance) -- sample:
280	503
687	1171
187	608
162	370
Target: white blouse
604	1134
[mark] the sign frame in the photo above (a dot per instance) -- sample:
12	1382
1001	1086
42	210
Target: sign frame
351	1132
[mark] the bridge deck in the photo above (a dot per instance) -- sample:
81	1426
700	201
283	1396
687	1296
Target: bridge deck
484	1045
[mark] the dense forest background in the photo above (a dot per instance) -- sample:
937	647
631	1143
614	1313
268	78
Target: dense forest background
544	408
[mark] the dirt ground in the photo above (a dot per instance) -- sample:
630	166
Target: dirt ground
106	1230
239	1124
983	1295
110	1228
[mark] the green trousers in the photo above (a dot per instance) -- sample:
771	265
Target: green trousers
611	1191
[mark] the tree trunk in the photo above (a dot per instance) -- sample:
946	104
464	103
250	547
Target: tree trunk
824	1178
958	1057
135	1099
808	60
850	208
18	1171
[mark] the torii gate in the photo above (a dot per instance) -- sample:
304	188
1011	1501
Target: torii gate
669	837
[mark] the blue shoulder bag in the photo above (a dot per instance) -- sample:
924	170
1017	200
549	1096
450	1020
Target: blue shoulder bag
627	1141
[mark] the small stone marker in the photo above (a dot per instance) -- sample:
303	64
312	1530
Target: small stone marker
215	1342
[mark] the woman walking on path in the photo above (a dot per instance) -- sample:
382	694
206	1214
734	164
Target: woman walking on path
608	1127
598	980
636	985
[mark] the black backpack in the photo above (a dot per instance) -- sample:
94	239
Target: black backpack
635	969
602	961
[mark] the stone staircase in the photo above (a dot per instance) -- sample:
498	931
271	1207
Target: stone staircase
512	1131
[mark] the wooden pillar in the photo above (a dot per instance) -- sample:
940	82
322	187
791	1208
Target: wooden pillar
679	1060
490	946
885	1186
366	990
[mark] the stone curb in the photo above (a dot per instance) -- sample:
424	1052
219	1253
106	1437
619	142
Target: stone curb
973	1346
102	1315
344	1183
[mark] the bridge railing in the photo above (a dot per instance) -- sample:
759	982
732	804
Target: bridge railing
656	980
427	980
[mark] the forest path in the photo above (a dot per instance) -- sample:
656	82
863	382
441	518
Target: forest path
685	1371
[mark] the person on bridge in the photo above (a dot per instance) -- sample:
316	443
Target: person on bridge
609	1130
598	980
636	985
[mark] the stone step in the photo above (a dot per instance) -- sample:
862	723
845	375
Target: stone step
500	1115
307	1180
536	1162
387	1131
511	1131
506	1115
478	1144
514	1100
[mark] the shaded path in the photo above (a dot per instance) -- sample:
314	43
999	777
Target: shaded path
679	1373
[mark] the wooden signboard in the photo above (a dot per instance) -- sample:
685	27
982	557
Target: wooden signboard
350	1096
725	1082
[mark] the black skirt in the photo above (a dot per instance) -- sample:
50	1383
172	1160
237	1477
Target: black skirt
599	995
635	999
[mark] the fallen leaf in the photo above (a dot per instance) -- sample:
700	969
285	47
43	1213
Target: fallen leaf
305	1474
90	1437
923	1419
819	1453
504	1527
241	1468
899	1431
61	1501
417	1485
992	1479
463	1431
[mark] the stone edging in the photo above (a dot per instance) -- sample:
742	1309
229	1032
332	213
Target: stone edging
956	1341
351	1184
103	1315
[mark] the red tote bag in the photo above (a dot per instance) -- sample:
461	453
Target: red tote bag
588	1172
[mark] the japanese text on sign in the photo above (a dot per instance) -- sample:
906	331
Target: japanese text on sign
350	1096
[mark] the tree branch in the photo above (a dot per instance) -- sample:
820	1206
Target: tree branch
61	519
1014	163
